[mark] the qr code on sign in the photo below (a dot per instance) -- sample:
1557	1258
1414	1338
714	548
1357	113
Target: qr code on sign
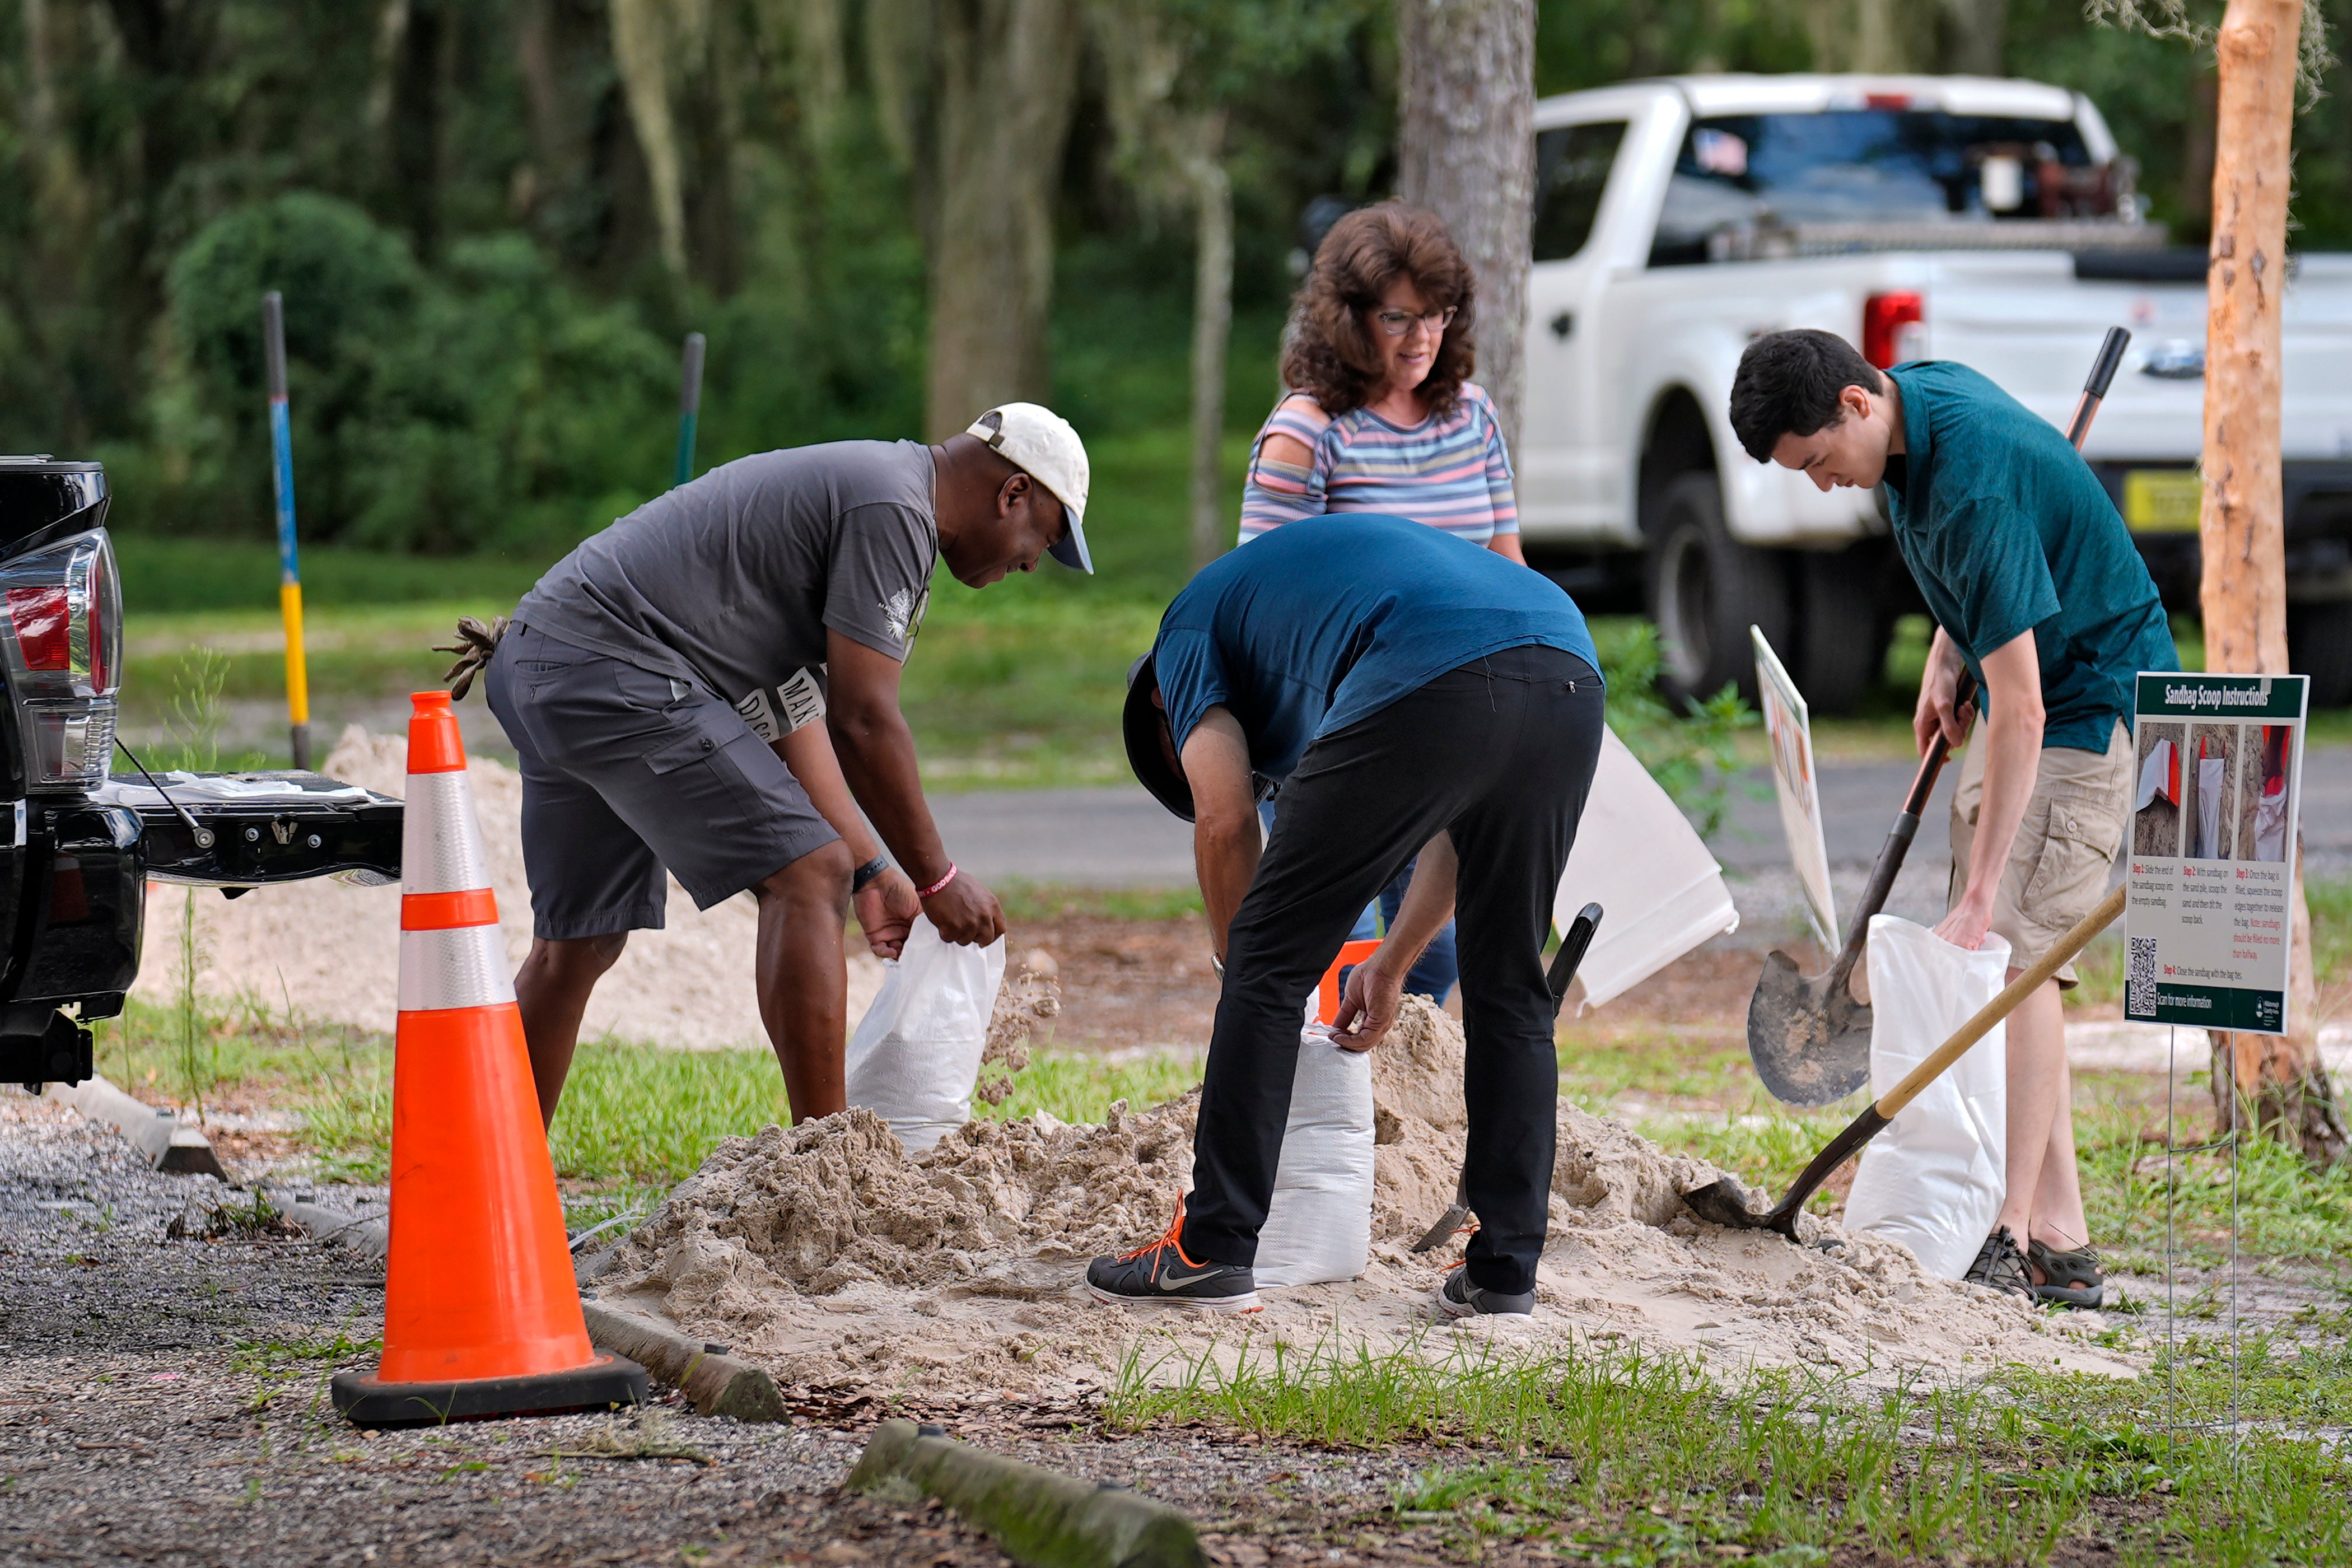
2139	979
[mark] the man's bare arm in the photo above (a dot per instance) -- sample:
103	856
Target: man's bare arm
877	757
886	908
2012	742
1226	841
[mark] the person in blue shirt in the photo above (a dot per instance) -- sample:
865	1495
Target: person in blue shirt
2037	591
1410	693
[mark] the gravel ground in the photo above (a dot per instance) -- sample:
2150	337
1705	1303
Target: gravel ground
164	1401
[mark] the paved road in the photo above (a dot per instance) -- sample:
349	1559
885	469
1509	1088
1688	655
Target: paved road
1122	837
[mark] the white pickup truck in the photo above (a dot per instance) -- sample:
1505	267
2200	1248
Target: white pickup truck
1989	222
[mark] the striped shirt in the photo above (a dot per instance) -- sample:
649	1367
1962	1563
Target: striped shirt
1451	472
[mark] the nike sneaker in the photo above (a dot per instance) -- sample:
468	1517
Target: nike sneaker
1160	1274
1457	1297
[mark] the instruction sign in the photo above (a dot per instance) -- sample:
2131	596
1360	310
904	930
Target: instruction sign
1791	730
2217	782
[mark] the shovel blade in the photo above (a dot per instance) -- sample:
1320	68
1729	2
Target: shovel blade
1726	1201
1810	1040
1448	1222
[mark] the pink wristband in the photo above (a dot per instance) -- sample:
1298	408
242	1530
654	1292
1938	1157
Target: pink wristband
939	885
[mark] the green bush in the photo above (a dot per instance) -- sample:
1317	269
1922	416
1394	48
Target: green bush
482	405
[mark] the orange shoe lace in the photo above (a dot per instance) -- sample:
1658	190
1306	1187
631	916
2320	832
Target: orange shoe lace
1173	1237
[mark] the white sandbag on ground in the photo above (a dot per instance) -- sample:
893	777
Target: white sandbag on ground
916	1053
1319	1224
1637	856
1935	1179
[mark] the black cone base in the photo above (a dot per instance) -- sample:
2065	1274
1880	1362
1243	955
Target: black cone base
607	1381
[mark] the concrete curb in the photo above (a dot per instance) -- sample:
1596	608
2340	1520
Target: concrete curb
716	1382
368	1234
154	1131
1041	1517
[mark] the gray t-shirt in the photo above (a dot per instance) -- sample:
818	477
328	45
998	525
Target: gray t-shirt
732	581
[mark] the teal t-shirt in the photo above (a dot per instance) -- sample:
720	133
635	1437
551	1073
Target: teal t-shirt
2007	530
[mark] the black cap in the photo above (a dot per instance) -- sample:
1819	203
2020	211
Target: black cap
1144	723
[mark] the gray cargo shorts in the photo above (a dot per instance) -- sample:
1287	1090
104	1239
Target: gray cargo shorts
627	774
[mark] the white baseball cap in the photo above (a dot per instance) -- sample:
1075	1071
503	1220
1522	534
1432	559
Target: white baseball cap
1040	444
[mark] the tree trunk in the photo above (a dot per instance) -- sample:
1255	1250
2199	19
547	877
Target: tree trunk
642	49
1006	79
1969	41
2242	526
1868	35
1213	319
1465	150
412	188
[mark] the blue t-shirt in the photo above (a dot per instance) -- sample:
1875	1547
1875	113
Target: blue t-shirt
2008	530
1323	622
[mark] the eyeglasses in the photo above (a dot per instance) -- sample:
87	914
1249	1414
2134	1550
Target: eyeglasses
1396	323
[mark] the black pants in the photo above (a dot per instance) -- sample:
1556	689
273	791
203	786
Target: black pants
1499	754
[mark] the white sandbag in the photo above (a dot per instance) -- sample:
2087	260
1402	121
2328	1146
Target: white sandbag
1660	891
1319	1224
1935	1179
916	1053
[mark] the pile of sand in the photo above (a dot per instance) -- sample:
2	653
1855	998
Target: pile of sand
827	1253
333	951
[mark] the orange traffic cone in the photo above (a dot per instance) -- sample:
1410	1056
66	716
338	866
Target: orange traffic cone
481	1313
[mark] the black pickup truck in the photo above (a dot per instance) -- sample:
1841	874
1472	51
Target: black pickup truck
84	842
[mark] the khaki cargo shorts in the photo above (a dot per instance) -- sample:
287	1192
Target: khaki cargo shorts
2066	847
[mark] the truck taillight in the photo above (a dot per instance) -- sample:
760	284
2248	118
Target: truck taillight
1894	328
61	639
43	627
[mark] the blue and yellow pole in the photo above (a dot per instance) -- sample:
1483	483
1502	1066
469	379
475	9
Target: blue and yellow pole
290	570
689	405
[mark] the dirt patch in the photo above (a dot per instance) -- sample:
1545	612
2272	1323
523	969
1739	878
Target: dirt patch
826	1252
1127	986
333	951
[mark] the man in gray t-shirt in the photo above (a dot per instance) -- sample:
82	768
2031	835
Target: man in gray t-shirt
662	686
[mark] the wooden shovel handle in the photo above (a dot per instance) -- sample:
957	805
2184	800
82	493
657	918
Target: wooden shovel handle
1993	1012
1890	853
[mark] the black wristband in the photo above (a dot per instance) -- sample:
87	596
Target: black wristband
867	873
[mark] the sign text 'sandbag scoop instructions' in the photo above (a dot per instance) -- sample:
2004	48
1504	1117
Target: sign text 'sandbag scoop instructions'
2209	927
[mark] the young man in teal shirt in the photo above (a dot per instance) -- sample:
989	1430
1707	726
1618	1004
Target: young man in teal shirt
2036	588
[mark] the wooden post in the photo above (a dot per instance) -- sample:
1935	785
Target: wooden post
2242	524
1465	150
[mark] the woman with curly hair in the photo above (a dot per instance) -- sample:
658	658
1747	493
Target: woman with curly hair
1381	417
1379	414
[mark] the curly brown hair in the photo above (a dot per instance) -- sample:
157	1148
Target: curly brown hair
1331	354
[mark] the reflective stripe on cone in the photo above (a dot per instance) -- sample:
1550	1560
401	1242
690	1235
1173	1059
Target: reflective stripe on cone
441	847
465	966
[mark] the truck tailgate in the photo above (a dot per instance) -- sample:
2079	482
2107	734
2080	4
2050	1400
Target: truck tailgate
263	827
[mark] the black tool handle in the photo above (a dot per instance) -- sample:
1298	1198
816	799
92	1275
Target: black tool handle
1564	963
2094	390
1839	1149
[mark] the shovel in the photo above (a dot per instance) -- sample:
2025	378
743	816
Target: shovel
1809	1039
1726	1201
1556	979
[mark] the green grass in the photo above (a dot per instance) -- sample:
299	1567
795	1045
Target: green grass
168	577
1078	1088
1622	1457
